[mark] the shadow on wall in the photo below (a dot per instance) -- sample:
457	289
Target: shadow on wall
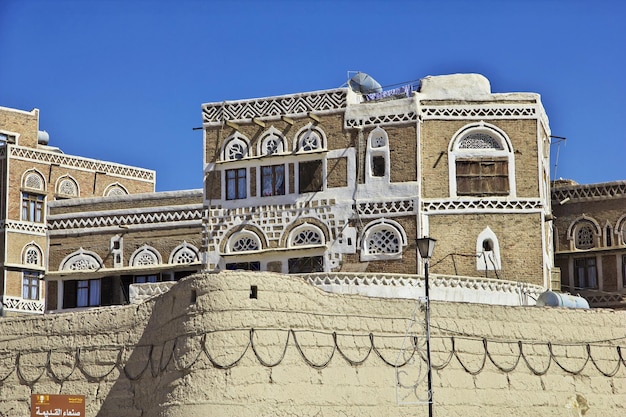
161	358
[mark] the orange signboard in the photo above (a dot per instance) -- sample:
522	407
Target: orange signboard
57	405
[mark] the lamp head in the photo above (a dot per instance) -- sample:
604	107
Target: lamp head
426	246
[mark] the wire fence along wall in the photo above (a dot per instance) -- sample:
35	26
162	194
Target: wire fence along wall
317	349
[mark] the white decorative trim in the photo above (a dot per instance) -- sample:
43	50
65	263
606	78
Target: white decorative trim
274	107
491	205
166	215
602	191
24	227
81	260
443	287
475	112
138	293
383	119
21	305
385	208
83	163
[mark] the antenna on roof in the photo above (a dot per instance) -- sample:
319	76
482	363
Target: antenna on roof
361	83
558	148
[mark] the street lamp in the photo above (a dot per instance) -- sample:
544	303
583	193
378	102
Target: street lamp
426	247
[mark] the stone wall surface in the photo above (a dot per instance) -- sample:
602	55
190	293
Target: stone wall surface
262	344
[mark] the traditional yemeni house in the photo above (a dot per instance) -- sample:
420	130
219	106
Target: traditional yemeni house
32	175
338	181
590	240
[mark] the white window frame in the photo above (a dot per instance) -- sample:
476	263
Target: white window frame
454	153
488	260
376	226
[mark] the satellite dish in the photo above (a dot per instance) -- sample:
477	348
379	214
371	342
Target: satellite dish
364	84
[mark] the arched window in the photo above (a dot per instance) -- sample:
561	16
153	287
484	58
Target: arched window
584	233
115	189
272	142
33	197
487	251
67	187
32	255
145	255
620	231
382	240
377	162
236	147
184	254
310	139
81	260
481	162
244	241
306	235
584	237
33	180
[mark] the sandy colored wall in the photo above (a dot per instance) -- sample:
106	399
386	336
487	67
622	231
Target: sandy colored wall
208	348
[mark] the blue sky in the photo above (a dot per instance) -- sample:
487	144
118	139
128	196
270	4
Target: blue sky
123	81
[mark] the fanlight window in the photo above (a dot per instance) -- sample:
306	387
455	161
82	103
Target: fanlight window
307	236
81	260
481	162
235	149
272	143
480	141
115	189
145	255
310	139
32	256
585	237
67	187
244	241
34	181
245	244
383	240
184	254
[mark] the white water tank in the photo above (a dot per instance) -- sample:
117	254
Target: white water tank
558	299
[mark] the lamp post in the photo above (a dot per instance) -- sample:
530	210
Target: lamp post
426	246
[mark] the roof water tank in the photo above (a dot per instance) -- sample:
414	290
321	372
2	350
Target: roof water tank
557	299
43	137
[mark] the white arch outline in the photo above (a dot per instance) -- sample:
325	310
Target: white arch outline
488	260
134	258
375	226
494	131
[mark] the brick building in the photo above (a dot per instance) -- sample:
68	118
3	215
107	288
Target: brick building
100	246
590	240
336	181
32	175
